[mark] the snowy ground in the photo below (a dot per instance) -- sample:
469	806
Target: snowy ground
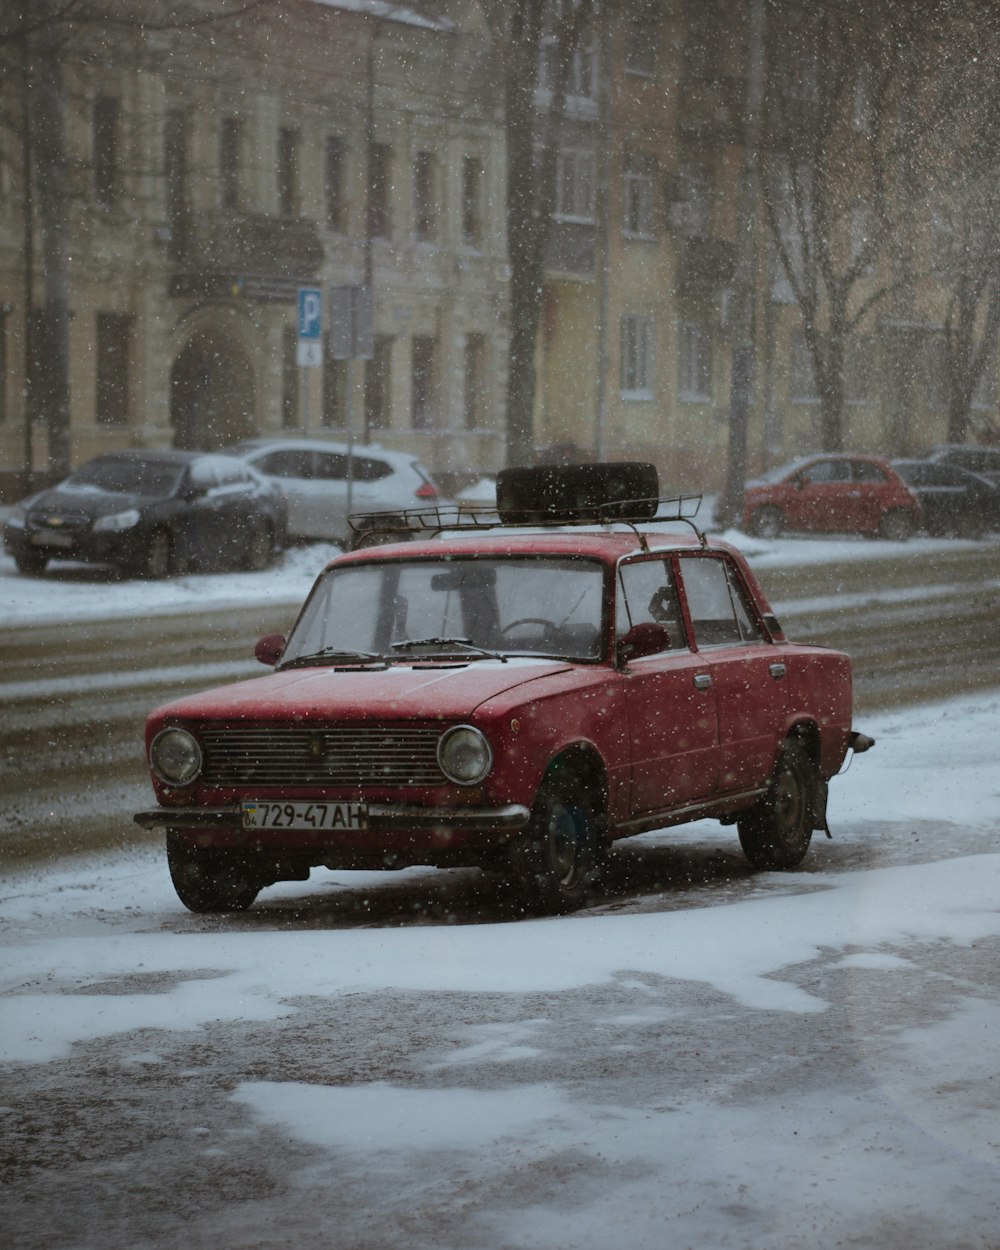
763	1061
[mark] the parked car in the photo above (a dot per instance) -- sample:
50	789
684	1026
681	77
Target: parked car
508	697
833	493
953	500
976	459
314	474
152	512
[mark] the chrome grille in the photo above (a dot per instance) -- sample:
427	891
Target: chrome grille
349	755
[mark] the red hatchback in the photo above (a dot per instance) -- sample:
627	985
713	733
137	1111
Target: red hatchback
832	493
514	698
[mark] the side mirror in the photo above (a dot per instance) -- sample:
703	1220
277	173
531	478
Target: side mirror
646	638
269	648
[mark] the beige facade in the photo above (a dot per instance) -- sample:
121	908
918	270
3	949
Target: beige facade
215	171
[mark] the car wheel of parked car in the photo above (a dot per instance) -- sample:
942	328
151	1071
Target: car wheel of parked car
259	548
208	880
557	858
777	830
767	522
31	563
159	557
896	525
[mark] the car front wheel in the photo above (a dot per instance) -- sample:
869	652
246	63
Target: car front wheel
767	522
210	880
777	830
259	548
31	562
159	556
557	859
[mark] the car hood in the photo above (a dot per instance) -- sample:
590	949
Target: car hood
86	502
422	691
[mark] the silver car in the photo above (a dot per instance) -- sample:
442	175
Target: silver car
313	473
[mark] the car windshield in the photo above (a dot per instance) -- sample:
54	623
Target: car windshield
128	477
467	607
780	472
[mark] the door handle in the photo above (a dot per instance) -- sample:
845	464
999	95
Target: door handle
702	681
777	671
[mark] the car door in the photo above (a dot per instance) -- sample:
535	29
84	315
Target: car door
670	697
869	496
203	523
748	673
235	505
820	500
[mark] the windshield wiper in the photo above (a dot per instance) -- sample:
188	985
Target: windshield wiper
464	643
333	655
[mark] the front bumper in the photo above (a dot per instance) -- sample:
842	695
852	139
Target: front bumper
382	817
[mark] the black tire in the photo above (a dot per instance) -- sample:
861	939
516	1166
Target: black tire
777	830
158	558
209	880
30	562
767	522
556	861
896	525
259	549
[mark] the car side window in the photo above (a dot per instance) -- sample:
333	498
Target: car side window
647	593
719	611
331	466
826	471
287	463
368	470
865	472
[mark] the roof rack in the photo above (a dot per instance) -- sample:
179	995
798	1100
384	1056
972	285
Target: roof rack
372	528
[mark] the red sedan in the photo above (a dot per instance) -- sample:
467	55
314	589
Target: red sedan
832	493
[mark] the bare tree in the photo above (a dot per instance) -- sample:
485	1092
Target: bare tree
525	31
840	139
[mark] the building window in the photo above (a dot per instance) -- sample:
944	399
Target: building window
288	171
474	393
3	366
575	182
636	362
639	196
334	411
695	362
424	198
802	384
114	336
290	377
641	37
378	379
106	119
175	166
333	178
423	409
472	201
581	82
379	181
230	173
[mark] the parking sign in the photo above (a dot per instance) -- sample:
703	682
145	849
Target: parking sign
310	352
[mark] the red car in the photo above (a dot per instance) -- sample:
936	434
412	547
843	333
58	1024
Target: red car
836	493
512	697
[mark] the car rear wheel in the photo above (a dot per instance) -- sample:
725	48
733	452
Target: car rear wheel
767	522
159	557
896	525
777	830
30	562
557	859
210	880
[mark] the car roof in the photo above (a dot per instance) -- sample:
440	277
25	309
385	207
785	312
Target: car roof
608	544
314	444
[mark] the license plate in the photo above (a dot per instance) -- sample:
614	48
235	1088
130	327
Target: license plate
325	816
52	539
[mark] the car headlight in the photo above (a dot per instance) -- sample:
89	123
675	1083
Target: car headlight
117	521
17	517
465	755
175	756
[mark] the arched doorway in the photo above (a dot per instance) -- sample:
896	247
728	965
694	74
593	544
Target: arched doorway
211	393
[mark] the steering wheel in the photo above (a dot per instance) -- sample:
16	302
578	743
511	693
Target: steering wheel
548	626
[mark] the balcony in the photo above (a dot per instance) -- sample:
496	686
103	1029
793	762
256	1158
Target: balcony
706	265
250	254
